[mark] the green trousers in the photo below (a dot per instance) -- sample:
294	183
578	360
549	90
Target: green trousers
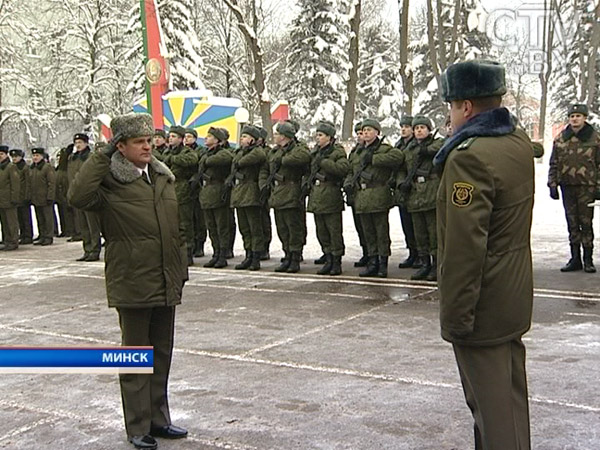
329	233
359	229
88	224
186	222
289	228
10	226
218	222
199	222
579	215
45	221
144	396
266	225
251	229
377	233
424	225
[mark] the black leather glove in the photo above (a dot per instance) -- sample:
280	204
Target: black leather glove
405	186
69	149
554	192
112	146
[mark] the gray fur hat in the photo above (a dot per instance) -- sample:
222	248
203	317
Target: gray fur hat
373	123
251	130
327	128
219	133
287	129
578	108
357	127
132	125
421	120
180	131
473	79
295	124
191	131
264	134
406	120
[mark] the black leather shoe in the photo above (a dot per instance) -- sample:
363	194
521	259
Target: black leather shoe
83	258
92	257
146	442
75	239
169	432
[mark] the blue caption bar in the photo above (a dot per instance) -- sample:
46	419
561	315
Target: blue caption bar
89	357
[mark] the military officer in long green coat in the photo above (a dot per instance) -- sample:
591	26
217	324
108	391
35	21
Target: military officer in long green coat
355	153
328	169
10	194
24	209
43	192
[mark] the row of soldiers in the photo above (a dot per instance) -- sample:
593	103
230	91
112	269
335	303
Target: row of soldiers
214	180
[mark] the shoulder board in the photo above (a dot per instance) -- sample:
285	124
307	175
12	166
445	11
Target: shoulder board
466	144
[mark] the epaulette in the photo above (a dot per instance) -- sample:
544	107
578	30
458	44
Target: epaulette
466	143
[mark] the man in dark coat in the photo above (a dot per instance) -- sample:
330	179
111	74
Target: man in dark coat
146	263
484	210
43	191
24	209
10	194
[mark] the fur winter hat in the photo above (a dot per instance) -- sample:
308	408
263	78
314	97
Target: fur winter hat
263	133
421	120
406	120
287	129
294	123
373	123
357	127
192	132
38	151
161	133
219	133
132	125
473	79
578	108
180	131
327	128
84	137
251	130
4	149
16	152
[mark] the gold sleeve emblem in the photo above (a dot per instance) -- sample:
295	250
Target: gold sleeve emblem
462	194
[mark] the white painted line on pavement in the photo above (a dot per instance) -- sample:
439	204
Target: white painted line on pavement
44	316
29	427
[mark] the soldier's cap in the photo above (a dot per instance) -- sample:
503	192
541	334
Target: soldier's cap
327	128
579	108
84	137
294	123
373	123
251	130
264	134
4	149
180	131
192	132
421	120
225	132
357	127
160	132
406	120
218	133
38	151
286	129
17	152
132	125
473	79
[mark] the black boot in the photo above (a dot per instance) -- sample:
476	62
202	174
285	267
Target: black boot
372	267
199	248
246	262
265	255
363	261
422	273
326	269
213	260
574	263
418	263
222	261
588	264
255	261
410	261
321	259
383	267
190	256
285	263
336	265
294	262
228	253
433	272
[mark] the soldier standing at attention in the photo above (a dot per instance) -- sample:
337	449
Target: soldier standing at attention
575	167
183	162
214	168
484	210
65	211
190	140
86	222
287	162
159	143
43	191
355	153
329	166
245	195
406	137
24	208
420	191
266	211
145	264
369	180
10	194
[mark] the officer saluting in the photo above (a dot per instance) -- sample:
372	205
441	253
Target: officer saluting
484	210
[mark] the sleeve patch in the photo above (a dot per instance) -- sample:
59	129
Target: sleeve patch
462	194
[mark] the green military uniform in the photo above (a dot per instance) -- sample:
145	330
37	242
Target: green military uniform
200	230
245	198
369	178
329	167
86	223
10	194
354	157
283	176
215	166
484	210
183	162
145	268
24	208
65	211
159	151
575	167
43	191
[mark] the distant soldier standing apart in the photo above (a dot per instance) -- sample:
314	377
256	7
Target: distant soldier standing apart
24	209
355	153
43	191
65	211
575	167
183	162
10	195
329	166
281	178
484	210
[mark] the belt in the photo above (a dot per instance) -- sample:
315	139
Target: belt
371	184
326	183
211	182
284	182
